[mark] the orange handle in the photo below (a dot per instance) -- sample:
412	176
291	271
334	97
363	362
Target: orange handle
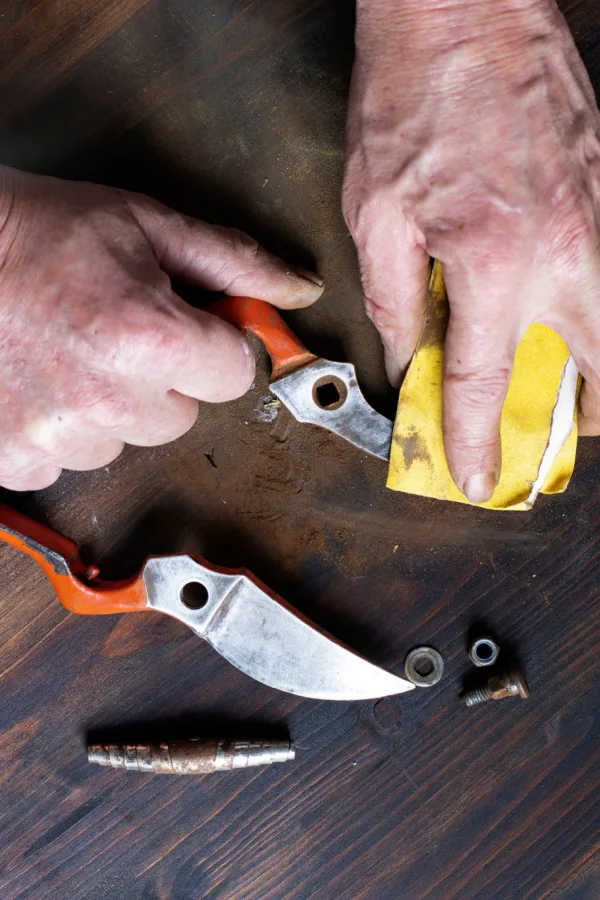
286	351
76	585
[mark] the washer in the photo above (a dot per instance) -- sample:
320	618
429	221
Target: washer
424	666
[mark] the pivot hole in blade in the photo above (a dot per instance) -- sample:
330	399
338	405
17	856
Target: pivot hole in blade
329	392
194	595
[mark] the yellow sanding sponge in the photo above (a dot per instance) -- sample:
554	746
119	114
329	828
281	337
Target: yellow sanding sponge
539	422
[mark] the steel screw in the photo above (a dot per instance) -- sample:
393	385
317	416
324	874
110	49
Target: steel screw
499	687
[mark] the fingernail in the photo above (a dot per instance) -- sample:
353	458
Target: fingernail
392	368
309	276
479	488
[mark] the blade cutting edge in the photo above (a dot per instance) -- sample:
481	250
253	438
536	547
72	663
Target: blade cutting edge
263	636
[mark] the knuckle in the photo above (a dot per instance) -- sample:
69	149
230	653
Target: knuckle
155	339
108	407
362	214
377	310
243	245
477	391
573	231
469	447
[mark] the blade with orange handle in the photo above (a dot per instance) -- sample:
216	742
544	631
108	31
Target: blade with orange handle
233	611
315	390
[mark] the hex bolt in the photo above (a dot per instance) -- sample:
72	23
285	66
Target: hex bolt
499	687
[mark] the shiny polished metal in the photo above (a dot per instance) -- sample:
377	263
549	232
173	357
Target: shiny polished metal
263	636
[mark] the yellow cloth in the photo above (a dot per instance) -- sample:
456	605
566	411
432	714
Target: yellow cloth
539	421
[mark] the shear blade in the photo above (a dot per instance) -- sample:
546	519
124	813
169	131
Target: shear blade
327	394
263	636
274	645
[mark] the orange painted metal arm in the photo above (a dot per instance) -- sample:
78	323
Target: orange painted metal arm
77	586
286	351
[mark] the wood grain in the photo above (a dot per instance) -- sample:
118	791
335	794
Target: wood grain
234	110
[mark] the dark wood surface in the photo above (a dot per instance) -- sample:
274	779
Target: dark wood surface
234	111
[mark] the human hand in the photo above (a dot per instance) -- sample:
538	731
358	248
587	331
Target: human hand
473	137
95	348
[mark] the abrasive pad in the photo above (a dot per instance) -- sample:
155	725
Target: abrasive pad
539	421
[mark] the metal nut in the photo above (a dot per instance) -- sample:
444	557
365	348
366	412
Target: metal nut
484	652
424	666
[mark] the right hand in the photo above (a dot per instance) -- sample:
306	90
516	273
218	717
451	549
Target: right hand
474	137
95	348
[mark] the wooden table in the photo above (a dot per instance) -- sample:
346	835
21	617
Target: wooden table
234	111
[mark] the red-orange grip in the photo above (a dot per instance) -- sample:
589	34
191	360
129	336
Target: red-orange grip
59	558
286	351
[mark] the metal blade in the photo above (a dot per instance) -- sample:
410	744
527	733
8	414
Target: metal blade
327	394
263	636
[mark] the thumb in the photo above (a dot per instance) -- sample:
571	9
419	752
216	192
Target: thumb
395	271
220	259
478	361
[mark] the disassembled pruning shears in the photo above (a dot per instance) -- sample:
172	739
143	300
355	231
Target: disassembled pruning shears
249	625
314	390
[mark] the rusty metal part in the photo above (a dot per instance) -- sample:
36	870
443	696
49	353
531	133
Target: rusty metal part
424	666
191	757
315	390
499	687
249	625
484	652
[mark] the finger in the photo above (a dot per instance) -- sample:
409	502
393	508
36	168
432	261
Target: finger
395	273
160	419
215	362
581	330
34	479
589	411
97	453
480	346
142	412
220	259
582	342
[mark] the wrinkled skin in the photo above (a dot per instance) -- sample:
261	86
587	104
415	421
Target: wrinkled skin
95	348
473	137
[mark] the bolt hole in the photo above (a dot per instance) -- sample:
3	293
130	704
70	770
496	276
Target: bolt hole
194	595
423	666
484	651
327	395
329	392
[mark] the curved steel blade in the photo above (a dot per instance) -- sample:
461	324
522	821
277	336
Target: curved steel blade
263	636
349	416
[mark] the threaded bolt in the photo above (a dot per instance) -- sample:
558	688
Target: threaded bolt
499	687
477	696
